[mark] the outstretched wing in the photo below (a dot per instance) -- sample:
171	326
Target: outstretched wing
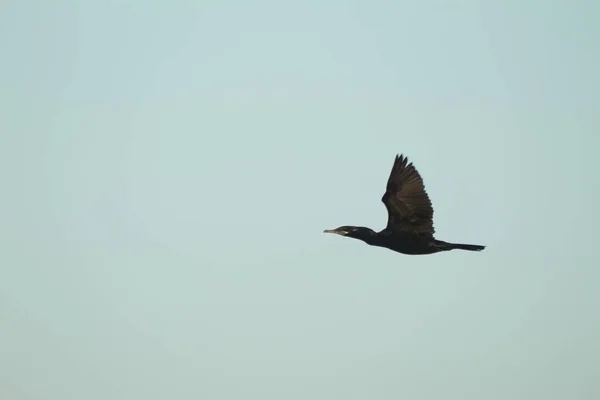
408	205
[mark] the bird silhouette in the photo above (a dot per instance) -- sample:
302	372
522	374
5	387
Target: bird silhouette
409	227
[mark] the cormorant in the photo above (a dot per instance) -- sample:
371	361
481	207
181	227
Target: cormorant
409	228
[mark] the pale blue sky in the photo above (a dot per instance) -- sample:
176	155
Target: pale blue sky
168	169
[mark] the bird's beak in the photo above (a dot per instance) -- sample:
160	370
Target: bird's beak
335	231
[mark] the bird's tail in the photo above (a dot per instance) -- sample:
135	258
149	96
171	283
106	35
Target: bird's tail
460	246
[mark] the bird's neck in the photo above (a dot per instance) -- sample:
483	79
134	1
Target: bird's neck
367	235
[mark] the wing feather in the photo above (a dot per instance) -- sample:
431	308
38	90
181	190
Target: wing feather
408	205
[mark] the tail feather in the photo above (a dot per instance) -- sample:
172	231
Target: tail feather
445	246
470	247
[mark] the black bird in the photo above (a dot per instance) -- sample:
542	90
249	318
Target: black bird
409	228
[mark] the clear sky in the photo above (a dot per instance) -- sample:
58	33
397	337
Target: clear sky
168	169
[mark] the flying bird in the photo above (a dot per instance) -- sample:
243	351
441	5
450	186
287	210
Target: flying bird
409	227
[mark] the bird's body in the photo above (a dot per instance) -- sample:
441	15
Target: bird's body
410	217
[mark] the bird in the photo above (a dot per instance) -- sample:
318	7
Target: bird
409	227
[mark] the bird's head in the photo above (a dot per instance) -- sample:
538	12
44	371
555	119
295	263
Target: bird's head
356	232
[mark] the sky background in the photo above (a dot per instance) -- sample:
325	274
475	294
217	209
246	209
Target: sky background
168	168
